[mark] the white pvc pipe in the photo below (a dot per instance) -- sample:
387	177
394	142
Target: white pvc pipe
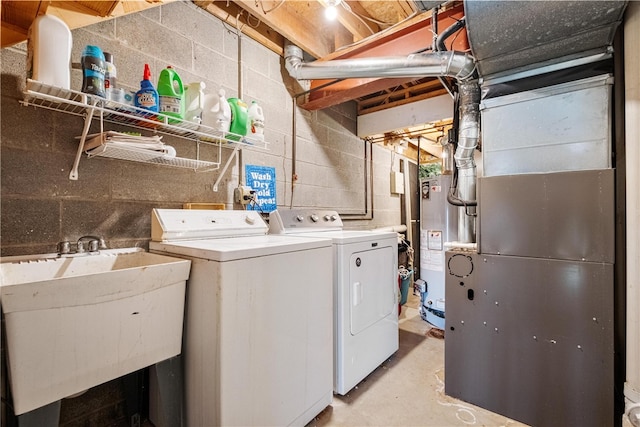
397	228
632	144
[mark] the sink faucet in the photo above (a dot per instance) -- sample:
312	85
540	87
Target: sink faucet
95	244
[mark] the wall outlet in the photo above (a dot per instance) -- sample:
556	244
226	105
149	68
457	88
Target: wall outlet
244	195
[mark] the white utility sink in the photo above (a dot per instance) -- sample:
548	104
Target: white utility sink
73	323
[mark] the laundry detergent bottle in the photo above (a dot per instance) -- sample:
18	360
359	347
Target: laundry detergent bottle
194	101
93	71
171	94
49	51
239	119
216	112
147	96
256	121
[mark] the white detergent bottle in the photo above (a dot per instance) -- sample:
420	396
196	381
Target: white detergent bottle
49	52
256	118
194	102
217	112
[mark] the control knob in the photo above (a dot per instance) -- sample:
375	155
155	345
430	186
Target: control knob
314	218
299	218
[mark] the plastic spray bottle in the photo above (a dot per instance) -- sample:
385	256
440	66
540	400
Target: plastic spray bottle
147	96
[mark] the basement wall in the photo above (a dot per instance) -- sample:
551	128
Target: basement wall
41	206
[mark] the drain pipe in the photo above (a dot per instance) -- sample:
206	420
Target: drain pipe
458	65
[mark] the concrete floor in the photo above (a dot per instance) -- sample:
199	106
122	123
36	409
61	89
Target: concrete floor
408	389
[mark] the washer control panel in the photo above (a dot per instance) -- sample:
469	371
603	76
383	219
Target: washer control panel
185	224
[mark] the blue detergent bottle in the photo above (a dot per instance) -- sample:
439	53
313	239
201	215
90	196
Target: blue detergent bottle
147	96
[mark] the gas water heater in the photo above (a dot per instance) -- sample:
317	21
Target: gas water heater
438	224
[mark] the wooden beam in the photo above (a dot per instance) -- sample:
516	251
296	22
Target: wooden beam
406	90
16	19
407	100
347	90
295	20
17	16
403	8
413	36
228	13
95	8
355	20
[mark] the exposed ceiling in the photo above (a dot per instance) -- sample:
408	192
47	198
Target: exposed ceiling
361	29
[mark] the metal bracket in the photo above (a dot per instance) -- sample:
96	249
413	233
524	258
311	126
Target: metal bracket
225	167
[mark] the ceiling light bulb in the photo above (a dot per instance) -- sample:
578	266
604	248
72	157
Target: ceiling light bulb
331	13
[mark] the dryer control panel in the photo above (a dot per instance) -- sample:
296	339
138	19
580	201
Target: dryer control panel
303	220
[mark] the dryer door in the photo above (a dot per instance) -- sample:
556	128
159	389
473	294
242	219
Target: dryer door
373	287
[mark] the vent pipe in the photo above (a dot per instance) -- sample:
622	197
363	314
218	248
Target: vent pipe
468	135
458	65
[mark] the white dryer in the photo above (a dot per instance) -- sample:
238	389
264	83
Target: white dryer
258	332
365	280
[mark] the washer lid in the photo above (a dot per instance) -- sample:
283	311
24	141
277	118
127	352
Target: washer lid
245	247
187	224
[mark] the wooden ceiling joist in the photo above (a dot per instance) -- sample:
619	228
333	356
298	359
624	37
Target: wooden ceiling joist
295	20
18	15
400	96
413	36
235	17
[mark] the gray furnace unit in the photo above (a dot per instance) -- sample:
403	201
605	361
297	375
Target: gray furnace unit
529	331
438	225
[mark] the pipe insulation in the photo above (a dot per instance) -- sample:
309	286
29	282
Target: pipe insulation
460	66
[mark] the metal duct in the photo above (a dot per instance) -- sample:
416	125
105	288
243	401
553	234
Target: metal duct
457	65
468	135
460	66
520	35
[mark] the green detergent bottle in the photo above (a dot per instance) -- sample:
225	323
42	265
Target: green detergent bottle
239	119
171	94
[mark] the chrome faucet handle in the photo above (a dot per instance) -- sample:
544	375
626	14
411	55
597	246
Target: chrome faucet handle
64	247
99	243
93	245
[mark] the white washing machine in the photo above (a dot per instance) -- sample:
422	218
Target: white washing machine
365	279
258	335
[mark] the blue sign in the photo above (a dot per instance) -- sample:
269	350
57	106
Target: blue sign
262	179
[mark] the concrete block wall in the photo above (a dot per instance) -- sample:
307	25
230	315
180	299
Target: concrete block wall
114	198
41	206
